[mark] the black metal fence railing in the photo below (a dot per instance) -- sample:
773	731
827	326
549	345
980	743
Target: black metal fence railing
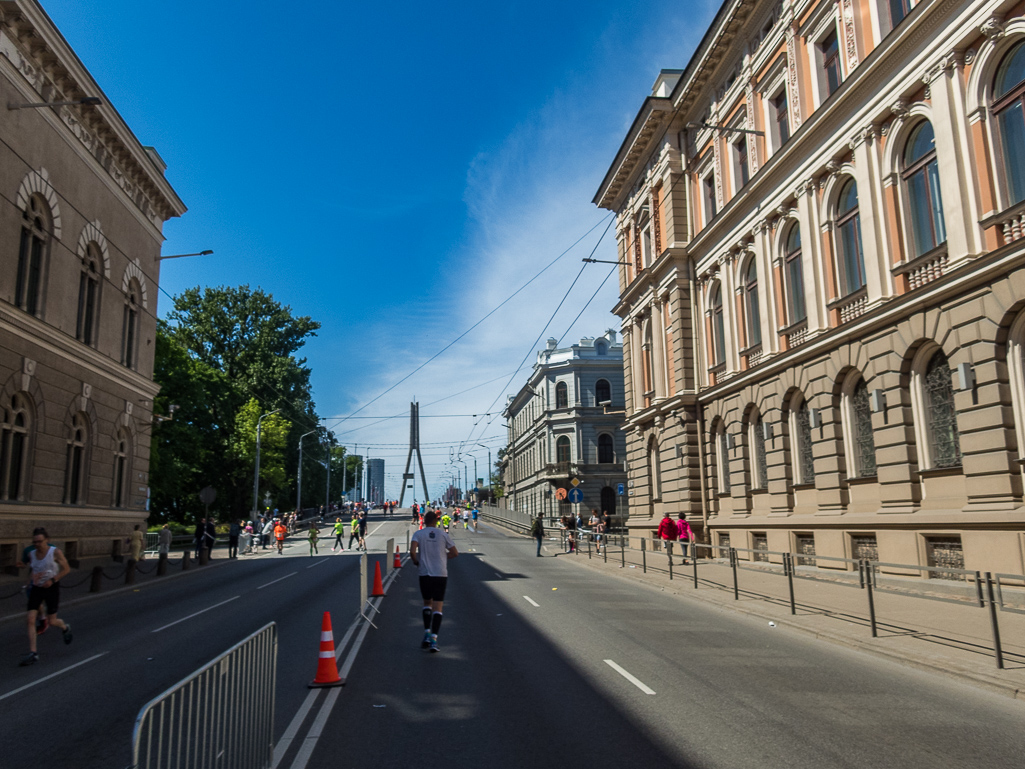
993	593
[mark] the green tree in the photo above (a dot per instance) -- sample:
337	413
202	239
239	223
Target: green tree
224	350
273	444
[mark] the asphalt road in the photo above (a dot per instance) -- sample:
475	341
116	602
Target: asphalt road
83	717
543	663
546	663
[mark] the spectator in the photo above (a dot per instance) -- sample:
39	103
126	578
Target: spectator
233	535
137	541
164	540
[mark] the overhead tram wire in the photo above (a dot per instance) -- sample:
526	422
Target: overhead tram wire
479	322
600	285
533	346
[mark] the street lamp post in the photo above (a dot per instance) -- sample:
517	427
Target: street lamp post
489	469
327	493
256	475
299	493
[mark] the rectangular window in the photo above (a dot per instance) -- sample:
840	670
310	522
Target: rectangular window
646	247
830	50
708	197
740	158
898	10
782	116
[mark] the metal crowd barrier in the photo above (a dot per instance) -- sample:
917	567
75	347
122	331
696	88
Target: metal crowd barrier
1003	592
220	716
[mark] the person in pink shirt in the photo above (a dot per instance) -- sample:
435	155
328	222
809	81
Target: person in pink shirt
684	534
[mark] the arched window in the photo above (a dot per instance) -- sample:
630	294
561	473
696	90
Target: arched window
752	316
654	470
561	395
600	348
88	297
802	459
718	327
794	276
922	183
859	441
130	328
850	259
35	237
15	423
756	440
722	458
562	449
75	474
606	449
602	391
121	455
1009	107
933	387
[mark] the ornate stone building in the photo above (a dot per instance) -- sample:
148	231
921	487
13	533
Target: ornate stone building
82	207
564	424
823	299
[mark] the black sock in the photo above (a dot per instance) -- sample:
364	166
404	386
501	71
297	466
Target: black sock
436	622
427	618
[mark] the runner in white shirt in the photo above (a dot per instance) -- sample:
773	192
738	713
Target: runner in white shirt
430	549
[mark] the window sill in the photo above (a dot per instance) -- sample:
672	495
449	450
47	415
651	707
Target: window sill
803	486
863	480
918	261
941	472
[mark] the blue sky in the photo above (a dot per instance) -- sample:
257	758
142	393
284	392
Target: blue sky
395	172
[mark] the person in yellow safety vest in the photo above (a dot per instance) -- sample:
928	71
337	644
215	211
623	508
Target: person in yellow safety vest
354	529
446	520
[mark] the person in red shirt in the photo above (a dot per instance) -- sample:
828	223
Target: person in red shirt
685	535
667	530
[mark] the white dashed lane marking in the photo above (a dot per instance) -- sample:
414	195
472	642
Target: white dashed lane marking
531	601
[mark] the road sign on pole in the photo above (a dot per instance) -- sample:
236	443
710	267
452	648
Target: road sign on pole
620	488
560	493
576	495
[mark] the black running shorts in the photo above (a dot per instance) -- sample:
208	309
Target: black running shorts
433	588
48	595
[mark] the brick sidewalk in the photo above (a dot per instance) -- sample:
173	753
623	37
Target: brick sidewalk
936	635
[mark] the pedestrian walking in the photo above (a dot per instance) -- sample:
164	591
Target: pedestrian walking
684	535
431	550
363	530
200	535
339	530
537	531
354	529
314	536
234	531
667	531
137	541
164	540
48	567
211	537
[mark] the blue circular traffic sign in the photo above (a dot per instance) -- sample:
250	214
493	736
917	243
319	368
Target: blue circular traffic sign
576	495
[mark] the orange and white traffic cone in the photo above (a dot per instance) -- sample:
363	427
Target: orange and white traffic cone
327	668
378	585
398	563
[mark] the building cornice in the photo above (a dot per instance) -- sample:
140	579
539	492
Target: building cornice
655	115
51	71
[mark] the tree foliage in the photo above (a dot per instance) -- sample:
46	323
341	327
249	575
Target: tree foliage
226	356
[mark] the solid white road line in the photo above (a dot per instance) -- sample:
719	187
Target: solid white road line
631	678
306	749
52	675
196	614
261	587
532	602
315	564
312	737
293	728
